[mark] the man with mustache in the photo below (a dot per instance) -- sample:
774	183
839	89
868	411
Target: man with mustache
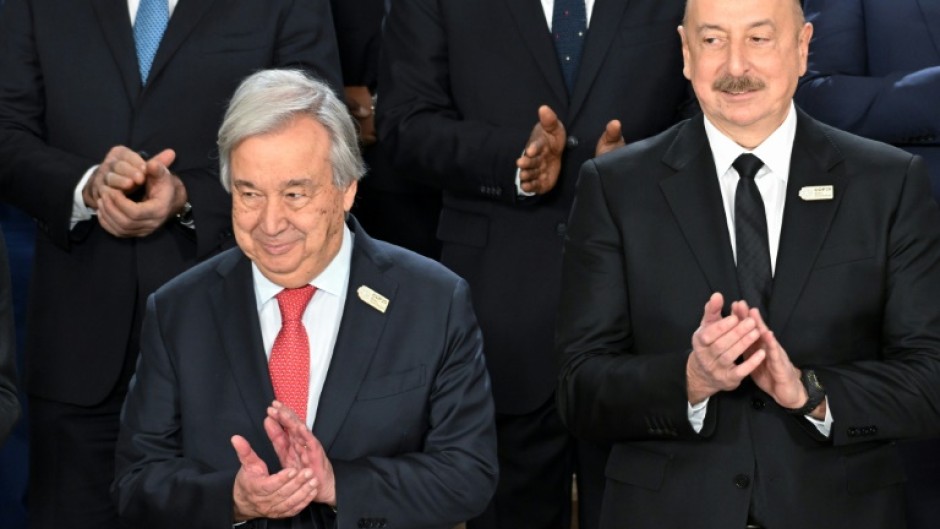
816	255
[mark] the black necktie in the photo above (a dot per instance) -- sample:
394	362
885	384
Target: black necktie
750	228
569	26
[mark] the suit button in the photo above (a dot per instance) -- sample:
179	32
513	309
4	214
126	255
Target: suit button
853	432
742	481
361	523
758	404
873	429
561	229
572	141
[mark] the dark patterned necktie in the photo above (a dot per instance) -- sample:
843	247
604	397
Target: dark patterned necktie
750	228
569	27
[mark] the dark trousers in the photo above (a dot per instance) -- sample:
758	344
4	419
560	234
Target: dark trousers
537	458
71	463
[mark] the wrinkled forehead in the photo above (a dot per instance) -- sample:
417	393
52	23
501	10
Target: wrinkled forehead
728	12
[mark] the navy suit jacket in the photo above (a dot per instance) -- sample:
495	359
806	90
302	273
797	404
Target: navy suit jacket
70	90
855	295
874	69
461	83
405	416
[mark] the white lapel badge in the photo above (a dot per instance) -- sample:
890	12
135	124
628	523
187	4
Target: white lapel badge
372	298
810	193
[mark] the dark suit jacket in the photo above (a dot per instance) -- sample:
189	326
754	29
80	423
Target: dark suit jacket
9	404
359	35
406	414
70	90
854	296
874	69
461	83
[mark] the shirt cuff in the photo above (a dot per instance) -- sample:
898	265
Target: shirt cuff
519	190
696	414
824	426
80	211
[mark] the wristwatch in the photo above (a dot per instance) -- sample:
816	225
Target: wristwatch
185	216
815	391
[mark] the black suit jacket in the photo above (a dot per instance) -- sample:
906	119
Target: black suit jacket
461	83
9	404
854	296
406	414
70	90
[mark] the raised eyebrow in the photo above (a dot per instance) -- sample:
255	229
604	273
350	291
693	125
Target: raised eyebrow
715	27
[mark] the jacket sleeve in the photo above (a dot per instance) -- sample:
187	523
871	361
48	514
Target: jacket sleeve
420	122
899	107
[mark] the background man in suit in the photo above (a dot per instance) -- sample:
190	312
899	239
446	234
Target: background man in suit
461	86
9	404
393	208
785	411
395	381
78	108
874	69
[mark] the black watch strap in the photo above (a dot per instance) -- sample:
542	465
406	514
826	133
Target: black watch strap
815	390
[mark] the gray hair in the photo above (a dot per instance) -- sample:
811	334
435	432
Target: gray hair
268	100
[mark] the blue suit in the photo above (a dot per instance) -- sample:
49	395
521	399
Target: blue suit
874	69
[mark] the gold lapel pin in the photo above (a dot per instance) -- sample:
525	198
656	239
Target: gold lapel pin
372	298
810	193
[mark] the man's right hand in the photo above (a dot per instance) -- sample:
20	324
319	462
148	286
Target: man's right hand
258	494
716	346
121	169
540	163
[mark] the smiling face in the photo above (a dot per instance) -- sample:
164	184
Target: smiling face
744	59
287	213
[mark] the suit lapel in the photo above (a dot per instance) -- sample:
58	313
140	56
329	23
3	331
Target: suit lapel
234	310
806	224
694	196
605	20
359	332
116	26
931	12
530	19
185	18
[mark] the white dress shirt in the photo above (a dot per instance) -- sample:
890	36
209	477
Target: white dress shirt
771	180
321	319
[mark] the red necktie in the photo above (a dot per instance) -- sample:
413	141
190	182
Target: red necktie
290	357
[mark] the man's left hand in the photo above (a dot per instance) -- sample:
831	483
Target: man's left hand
611	139
776	375
296	447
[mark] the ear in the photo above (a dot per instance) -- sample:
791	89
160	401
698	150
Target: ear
806	35
349	195
686	65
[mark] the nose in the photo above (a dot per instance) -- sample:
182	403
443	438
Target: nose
273	220
737	58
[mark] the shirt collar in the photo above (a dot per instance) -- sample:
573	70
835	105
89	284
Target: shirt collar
775	151
331	280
